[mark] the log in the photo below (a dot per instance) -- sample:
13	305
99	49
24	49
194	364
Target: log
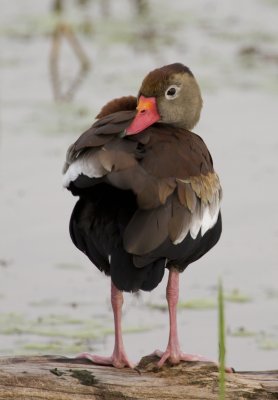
61	378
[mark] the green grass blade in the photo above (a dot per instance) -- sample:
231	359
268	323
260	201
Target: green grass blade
221	340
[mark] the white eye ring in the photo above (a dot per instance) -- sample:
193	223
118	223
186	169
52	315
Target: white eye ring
172	92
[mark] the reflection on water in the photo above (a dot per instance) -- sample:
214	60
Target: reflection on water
61	31
52	299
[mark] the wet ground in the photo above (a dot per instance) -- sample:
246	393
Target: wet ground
51	299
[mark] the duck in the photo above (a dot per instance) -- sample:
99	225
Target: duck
148	196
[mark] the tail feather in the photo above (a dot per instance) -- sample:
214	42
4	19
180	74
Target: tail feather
102	243
127	277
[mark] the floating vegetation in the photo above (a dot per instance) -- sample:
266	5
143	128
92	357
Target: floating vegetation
268	343
13	330
43	346
57	347
241	332
156	306
10	319
138	329
33	26
194	304
235	296
59	333
55	319
56	333
198	304
69	266
65	118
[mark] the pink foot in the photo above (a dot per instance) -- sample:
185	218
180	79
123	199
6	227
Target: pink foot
175	357
116	360
173	352
119	358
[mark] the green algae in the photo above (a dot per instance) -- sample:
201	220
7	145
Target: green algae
62	333
268	344
198	304
241	332
57	347
194	304
57	319
69	266
42	346
26	26
11	318
137	329
156	306
235	296
60	326
65	117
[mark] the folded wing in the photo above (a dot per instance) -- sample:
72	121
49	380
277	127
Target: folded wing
169	170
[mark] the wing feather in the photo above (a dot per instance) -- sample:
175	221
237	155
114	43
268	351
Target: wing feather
147	229
170	171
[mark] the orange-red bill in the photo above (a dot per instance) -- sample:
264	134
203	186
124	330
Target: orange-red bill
147	115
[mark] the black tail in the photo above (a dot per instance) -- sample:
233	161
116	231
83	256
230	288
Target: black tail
96	228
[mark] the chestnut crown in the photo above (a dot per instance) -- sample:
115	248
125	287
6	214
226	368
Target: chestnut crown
177	94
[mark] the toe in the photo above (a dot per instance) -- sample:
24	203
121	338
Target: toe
122	363
96	359
164	357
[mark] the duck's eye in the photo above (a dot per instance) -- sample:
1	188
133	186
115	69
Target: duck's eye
172	92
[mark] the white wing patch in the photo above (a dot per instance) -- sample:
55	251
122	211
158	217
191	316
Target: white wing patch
87	164
202	197
208	220
203	219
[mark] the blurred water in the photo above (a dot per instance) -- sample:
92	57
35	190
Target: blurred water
52	299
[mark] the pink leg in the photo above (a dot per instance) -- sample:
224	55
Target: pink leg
173	351
119	358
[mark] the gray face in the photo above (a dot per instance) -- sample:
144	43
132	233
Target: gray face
179	101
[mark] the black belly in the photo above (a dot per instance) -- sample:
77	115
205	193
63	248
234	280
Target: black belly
97	224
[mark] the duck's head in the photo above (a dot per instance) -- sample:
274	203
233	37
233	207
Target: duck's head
168	95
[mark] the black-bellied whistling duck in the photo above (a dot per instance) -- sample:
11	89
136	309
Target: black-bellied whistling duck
149	198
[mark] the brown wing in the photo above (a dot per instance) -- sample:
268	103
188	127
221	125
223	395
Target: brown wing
113	119
120	104
181	158
101	132
176	152
170	171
